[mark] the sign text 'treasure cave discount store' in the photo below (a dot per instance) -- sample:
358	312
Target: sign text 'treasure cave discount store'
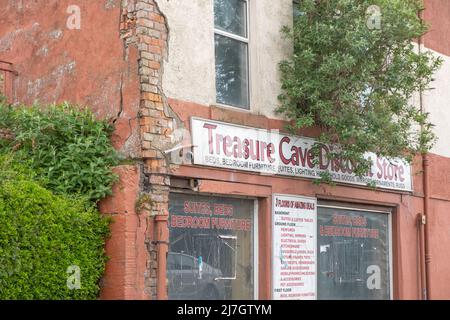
224	145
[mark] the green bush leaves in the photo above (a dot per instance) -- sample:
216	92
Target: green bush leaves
55	164
41	235
68	148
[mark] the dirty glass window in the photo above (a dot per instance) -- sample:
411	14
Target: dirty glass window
210	248
353	260
231	52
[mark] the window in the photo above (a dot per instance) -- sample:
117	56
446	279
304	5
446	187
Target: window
231	47
7	74
353	254
211	248
187	262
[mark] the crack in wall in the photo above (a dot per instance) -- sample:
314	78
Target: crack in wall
143	26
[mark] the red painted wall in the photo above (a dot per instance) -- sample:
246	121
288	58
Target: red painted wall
89	66
124	275
437	15
93	67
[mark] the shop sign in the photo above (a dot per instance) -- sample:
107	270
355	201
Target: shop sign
224	145
294	227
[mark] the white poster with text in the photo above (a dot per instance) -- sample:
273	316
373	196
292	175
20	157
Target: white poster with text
294	246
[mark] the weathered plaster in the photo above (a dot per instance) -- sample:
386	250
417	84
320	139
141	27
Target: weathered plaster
190	70
436	102
86	66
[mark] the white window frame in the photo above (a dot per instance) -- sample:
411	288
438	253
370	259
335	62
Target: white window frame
245	40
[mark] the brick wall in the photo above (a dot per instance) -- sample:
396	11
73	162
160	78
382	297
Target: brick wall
142	226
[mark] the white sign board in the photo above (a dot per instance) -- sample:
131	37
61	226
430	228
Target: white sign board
294	248
223	145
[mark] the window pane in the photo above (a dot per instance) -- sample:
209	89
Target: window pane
353	261
231	16
214	238
187	262
231	72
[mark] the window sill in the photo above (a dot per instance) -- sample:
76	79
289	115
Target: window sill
229	107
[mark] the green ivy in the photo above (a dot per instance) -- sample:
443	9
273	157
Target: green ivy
42	235
356	81
66	146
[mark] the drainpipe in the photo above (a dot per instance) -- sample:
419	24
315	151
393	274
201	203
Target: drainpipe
162	248
426	205
424	219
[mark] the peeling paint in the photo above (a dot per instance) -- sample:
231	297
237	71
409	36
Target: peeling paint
7	41
56	34
110	4
54	80
43	51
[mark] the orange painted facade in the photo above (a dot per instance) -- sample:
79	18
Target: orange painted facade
95	66
407	207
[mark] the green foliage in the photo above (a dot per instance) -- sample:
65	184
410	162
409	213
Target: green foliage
55	163
355	81
68	148
41	235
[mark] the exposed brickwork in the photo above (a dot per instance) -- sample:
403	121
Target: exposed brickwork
144	26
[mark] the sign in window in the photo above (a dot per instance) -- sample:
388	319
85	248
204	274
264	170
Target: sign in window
329	252
294	248
211	248
353	254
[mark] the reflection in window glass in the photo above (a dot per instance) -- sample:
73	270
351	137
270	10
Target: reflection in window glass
231	72
231	16
231	45
211	248
353	261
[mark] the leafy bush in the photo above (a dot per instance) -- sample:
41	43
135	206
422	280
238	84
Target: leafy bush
355	79
41	235
68	148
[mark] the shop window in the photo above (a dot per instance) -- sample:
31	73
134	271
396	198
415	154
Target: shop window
211	248
353	254
231	50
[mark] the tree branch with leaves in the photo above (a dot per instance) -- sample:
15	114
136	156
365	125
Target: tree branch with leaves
356	80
